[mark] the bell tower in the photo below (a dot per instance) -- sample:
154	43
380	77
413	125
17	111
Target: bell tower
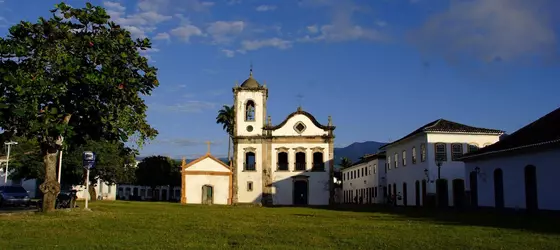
249	152
250	107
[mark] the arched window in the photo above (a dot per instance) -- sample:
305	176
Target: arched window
441	152
250	111
250	161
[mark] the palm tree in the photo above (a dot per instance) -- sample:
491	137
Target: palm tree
226	118
345	163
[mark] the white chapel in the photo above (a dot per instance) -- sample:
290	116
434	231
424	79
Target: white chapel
290	163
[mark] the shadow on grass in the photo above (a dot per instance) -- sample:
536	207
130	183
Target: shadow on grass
541	222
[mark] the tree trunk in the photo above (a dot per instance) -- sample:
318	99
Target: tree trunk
50	187
229	149
92	193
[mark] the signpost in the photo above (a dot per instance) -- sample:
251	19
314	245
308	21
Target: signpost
89	163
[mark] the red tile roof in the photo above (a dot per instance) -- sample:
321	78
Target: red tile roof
543	132
442	125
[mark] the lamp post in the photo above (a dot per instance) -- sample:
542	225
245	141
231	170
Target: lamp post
438	164
426	174
9	144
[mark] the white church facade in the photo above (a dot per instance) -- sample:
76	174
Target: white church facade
290	163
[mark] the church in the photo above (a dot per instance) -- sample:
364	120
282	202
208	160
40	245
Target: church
290	163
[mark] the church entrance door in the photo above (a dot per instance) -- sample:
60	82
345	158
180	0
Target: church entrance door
207	194
300	192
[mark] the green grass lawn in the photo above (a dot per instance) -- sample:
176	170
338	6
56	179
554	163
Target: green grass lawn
145	225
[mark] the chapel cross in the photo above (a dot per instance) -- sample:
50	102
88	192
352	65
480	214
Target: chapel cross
299	98
208	143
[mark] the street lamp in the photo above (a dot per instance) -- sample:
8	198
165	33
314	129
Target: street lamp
426	174
9	144
477	170
438	164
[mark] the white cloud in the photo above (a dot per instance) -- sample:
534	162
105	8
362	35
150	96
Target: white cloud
381	23
114	6
166	6
140	23
223	32
313	29
271	42
265	8
341	27
491	30
228	53
186	31
162	36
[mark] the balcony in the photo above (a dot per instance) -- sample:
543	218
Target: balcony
300	166
249	166
282	166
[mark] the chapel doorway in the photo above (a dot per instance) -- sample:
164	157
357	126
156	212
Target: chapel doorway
207	194
531	191
300	192
417	192
473	179
499	188
405	194
424	193
458	186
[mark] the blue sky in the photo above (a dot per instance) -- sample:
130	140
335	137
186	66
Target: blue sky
381	68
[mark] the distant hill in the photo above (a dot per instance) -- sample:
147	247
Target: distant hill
356	150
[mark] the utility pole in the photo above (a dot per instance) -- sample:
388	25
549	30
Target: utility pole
9	144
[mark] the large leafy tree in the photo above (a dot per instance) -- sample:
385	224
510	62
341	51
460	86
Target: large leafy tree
154	171
226	117
345	162
77	75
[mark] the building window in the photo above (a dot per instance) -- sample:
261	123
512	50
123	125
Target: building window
250	111
370	170
404	158
388	162
441	152
318	162
363	172
472	147
396	160
456	151
375	168
300	161
423	152
282	161
249	186
250	161
413	155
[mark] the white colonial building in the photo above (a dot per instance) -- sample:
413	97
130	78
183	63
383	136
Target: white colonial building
290	163
521	170
431	152
206	180
103	190
364	181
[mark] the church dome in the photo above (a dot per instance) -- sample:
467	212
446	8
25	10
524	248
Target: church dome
250	83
